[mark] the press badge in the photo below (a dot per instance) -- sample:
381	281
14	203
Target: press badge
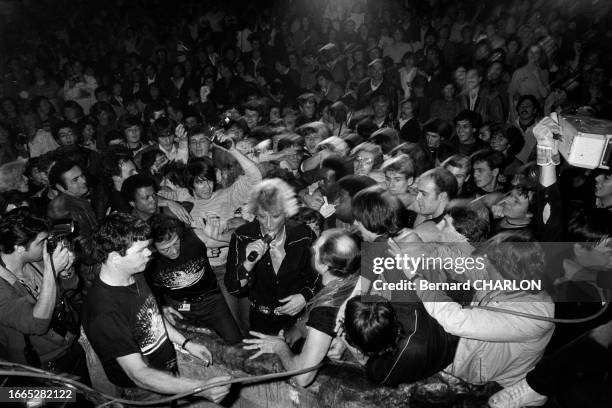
184	307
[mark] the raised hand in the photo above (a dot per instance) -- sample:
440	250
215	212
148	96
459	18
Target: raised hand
180	133
62	259
221	137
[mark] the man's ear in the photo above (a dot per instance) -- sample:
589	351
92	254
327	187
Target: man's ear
578	249
495	172
410	181
20	249
113	257
444	196
133	204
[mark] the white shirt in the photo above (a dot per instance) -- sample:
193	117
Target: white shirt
375	87
277	250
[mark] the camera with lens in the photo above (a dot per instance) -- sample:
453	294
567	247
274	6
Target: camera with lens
220	139
62	231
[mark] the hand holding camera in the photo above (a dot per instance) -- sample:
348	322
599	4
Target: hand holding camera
58	255
223	141
59	261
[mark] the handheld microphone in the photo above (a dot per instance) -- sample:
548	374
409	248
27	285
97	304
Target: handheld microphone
254	254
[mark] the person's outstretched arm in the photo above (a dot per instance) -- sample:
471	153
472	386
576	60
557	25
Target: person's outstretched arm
549	218
314	351
158	381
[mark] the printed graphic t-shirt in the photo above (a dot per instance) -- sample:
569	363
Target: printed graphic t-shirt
187	276
123	320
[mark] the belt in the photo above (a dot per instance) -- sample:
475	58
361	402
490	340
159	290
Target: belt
194	299
263	309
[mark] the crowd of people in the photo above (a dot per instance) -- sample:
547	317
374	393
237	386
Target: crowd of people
222	166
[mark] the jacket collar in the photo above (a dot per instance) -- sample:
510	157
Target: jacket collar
292	232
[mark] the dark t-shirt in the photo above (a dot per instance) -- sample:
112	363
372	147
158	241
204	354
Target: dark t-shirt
187	276
323	319
424	350
123	320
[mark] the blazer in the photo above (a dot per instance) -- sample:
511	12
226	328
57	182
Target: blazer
488	105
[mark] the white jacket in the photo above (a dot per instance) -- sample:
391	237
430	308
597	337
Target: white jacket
494	346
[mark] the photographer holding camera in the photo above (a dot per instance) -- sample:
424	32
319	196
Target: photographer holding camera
37	326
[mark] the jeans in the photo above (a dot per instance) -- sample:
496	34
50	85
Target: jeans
239	306
212	313
73	362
